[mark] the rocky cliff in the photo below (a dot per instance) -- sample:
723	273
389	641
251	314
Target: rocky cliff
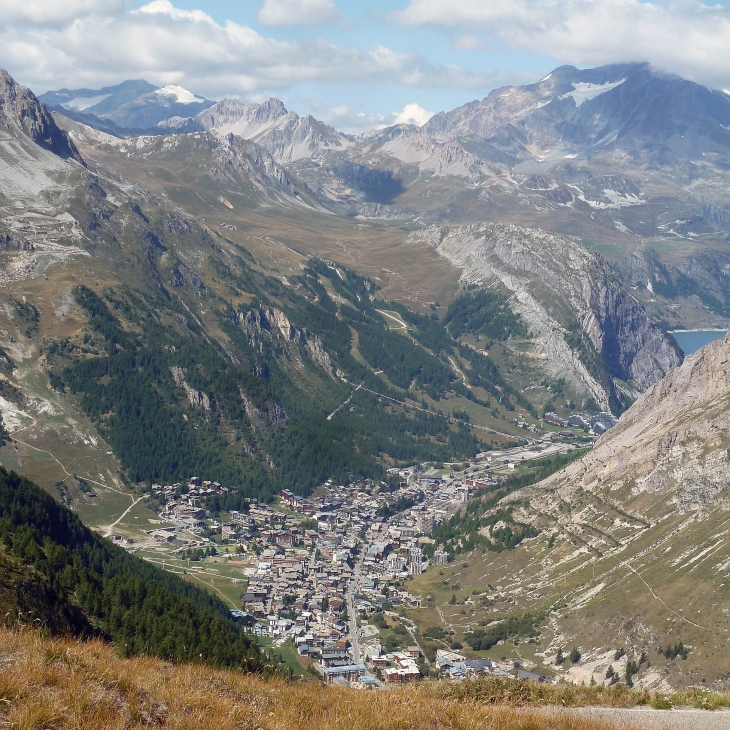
274	324
20	110
560	289
675	438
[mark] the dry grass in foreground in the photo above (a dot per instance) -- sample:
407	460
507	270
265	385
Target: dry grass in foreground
59	683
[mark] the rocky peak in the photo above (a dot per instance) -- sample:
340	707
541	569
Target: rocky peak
245	120
580	110
21	111
285	134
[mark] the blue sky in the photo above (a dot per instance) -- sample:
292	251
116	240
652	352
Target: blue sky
368	24
354	64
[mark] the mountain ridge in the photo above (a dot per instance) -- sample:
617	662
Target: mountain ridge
525	261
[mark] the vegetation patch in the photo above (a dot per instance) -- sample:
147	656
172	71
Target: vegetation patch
87	585
485	638
464	531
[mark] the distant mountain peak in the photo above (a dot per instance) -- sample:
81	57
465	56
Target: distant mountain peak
179	94
131	105
286	135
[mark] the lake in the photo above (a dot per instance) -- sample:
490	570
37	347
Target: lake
692	340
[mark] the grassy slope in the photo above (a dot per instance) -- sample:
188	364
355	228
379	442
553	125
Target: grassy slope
635	594
63	683
66	684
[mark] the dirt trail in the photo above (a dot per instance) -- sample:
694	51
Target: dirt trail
108	529
647	718
401	324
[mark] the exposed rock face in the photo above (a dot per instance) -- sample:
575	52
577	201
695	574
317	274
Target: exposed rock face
231	116
557	284
673	441
197	398
273	415
703	274
228	160
629	105
285	135
638	552
440	158
20	110
238	150
675	438
633	347
277	324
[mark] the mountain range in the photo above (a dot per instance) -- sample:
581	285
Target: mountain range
257	177
129	105
631	161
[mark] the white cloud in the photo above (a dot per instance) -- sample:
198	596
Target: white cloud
467	42
54	12
165	7
300	13
686	37
168	45
412	114
348	119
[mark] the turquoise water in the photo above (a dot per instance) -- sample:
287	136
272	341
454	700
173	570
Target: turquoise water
695	339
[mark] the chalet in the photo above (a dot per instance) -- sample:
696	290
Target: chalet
284	537
307	651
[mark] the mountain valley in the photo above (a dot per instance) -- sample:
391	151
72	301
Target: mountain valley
237	292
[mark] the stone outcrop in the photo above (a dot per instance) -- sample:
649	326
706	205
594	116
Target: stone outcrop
274	322
675	438
197	398
634	548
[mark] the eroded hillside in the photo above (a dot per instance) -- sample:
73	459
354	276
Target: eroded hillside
632	555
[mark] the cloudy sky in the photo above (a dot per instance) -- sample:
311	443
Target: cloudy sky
354	63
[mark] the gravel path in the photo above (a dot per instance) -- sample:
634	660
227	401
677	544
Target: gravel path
641	717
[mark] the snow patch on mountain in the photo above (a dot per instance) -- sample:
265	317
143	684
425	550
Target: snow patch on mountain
181	95
84	102
585	92
615	200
